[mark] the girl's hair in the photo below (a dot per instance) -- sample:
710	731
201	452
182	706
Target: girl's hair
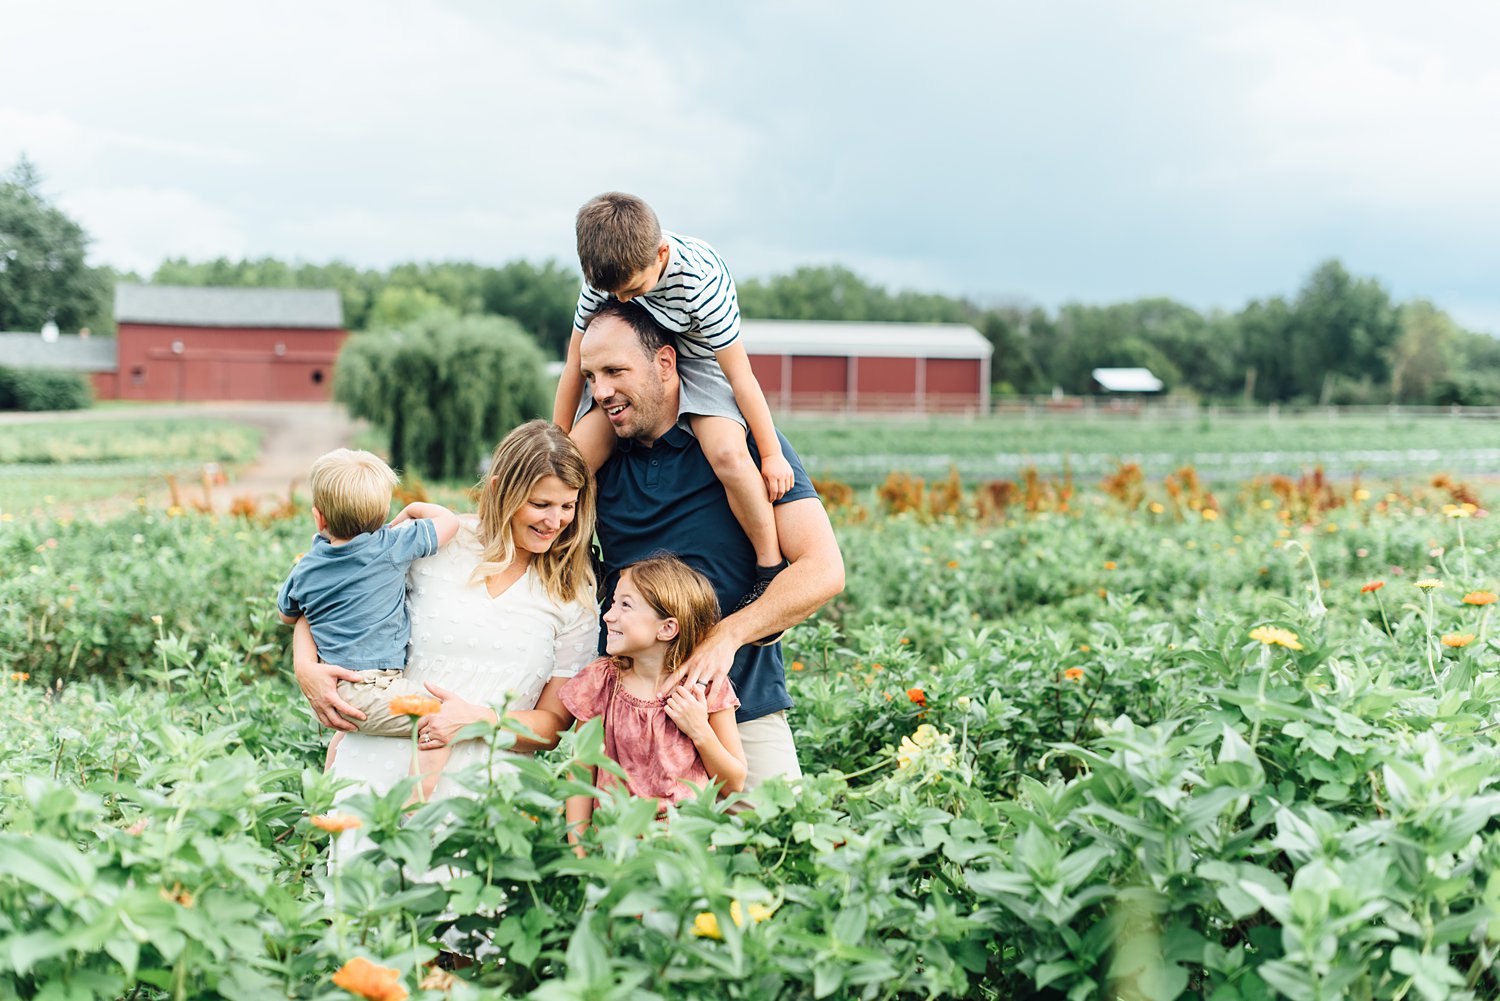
528	455
675	591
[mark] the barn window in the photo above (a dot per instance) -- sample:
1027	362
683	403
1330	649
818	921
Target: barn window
177	347
138	375
317	376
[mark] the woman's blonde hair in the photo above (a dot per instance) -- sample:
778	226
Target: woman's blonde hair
529	454
675	590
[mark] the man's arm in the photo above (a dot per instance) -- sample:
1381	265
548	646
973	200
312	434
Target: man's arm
319	682
815	574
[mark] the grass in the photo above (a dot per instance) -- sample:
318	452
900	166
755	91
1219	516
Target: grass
864	451
84	465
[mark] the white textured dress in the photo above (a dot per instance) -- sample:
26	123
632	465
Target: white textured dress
493	652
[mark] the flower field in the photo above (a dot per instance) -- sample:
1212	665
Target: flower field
1062	740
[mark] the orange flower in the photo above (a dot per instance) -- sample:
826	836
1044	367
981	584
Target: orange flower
918	696
336	822
1074	674
1374	585
1479	598
363	978
953	564
415	705
797	665
20	676
1109	564
1458	639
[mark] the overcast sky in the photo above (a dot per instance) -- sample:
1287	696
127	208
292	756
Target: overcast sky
1091	151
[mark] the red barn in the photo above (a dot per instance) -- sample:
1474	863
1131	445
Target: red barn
184	343
806	365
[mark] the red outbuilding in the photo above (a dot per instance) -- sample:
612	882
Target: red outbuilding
187	343
805	365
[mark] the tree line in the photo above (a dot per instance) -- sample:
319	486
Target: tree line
1340	338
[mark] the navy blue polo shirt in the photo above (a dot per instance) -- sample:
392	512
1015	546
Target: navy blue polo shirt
666	498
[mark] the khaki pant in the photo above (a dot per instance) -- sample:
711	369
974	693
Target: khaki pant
373	695
769	749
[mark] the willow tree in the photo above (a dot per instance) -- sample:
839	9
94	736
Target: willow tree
443	387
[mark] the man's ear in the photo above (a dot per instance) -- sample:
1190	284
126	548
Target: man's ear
666	361
668	630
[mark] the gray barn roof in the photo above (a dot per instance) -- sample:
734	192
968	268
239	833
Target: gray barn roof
185	306
69	353
841	338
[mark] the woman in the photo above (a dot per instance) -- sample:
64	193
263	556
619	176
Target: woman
504	614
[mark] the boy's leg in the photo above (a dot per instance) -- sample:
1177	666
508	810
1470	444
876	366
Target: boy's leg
594	438
727	450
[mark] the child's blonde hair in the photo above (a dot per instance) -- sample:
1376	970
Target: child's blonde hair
525	457
352	489
618	235
675	590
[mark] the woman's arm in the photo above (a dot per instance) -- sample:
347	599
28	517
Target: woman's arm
547	720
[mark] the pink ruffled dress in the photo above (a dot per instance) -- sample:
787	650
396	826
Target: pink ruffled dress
659	760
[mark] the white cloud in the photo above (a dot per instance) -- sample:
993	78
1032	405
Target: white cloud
135	228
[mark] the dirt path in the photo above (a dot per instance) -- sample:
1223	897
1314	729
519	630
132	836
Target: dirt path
294	434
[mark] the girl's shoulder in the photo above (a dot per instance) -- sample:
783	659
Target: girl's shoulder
586	693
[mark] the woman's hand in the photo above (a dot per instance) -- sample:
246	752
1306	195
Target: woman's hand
439	729
687	706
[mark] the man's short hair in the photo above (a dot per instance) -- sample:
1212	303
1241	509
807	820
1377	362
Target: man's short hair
652	335
618	235
352	490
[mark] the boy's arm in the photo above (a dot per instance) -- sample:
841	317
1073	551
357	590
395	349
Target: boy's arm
290	620
444	521
286	606
774	468
569	385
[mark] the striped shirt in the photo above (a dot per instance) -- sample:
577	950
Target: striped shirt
695	299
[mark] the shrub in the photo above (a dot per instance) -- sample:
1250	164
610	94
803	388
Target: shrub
444	388
30	389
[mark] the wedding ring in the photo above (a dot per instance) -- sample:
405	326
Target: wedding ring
703	683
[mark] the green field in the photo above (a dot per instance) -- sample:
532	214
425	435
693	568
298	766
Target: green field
1134	745
77	464
864	451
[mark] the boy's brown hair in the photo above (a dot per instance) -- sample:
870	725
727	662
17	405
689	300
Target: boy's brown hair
618	235
675	590
352	490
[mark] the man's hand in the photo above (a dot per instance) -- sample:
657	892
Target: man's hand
777	473
320	685
710	662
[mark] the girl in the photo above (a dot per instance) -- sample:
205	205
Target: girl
662	608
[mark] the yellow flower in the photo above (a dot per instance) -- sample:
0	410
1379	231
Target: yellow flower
1454	511
1428	583
7	516
1155	507
1274	636
1209	514
706	925
1458	639
1361	495
758	913
1479	598
174	511
365	979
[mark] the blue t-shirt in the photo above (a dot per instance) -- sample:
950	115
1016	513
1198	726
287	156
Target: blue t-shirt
666	498
354	596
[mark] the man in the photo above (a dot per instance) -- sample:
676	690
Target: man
659	492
